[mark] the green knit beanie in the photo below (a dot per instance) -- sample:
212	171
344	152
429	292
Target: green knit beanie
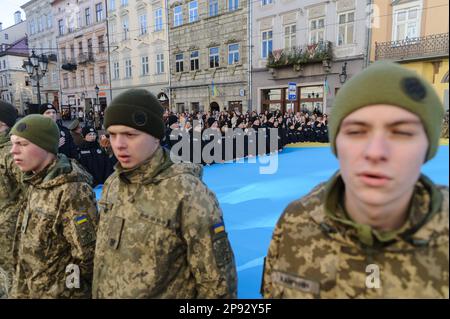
389	83
139	109
39	130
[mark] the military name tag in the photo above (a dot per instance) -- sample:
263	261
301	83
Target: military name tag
296	282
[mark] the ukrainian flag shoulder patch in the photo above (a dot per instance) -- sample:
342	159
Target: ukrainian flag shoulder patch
218	228
81	219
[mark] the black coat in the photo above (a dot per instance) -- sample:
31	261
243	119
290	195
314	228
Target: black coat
96	161
69	148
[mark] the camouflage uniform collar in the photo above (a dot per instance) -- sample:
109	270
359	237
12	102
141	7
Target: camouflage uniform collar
426	201
4	138
47	177
145	172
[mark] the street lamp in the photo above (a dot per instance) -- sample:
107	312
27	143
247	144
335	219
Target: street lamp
96	107
36	67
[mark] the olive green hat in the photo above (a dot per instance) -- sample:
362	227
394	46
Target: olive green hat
39	130
389	83
139	109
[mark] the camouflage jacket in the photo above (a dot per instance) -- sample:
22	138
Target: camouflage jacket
318	252
10	193
161	235
56	229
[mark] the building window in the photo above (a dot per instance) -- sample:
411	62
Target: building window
142	24
177	16
79	20
194	61
112	5
72	51
233	53
31	26
406	23
144	60
266	44
74	80
179	67
87	15
103	79
346	28
49	21
213	57
316	30
266	2
289	36
123	3
99	11
112	32
82	78
213	7
160	63
65	81
158	19
101	44
128	68
193	11
6	36
125	29
89	45
61	27
91	76
63	54
40	25
116	70
233	5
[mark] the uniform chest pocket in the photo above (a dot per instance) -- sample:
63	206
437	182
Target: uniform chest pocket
37	220
156	229
115	232
38	230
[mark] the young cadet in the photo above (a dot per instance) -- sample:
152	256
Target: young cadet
57	221
378	228
161	232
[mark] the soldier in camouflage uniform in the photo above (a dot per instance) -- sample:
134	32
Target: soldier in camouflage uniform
378	228
161	232
56	228
9	197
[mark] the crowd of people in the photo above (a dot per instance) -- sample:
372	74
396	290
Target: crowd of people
289	128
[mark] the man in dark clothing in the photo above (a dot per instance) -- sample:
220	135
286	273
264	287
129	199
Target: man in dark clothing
66	143
172	124
93	158
75	131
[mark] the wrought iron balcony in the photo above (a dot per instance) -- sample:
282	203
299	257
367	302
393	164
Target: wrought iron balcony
85	57
431	46
300	55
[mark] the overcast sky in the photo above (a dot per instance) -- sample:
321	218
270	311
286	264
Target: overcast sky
7	9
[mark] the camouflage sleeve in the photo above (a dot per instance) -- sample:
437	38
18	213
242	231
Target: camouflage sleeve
80	222
267	288
271	286
210	255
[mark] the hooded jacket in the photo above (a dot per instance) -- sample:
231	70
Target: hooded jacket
56	233
317	251
161	235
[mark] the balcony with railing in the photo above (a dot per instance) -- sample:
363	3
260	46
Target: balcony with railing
85	57
298	56
431	46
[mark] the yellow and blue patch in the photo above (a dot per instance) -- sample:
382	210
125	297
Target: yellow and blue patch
218	228
81	219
